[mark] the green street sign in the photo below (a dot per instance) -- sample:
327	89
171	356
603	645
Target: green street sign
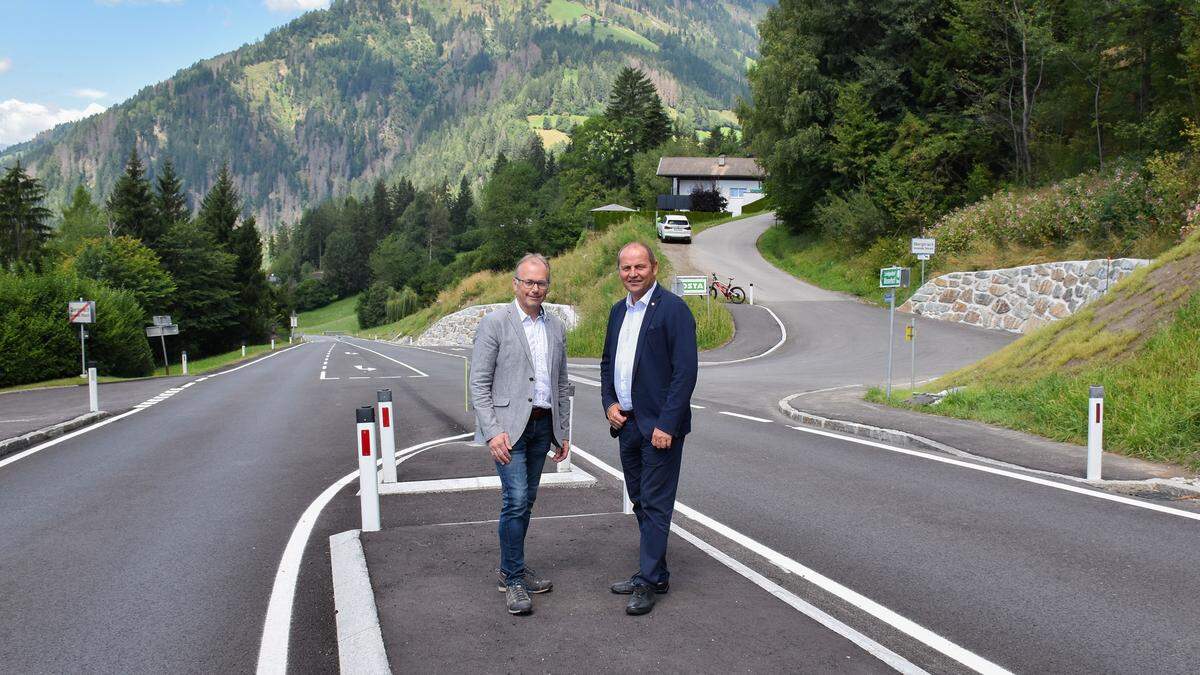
692	285
890	277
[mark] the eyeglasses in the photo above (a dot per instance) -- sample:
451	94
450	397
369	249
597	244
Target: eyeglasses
530	284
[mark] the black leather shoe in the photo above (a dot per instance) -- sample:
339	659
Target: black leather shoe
626	587
641	602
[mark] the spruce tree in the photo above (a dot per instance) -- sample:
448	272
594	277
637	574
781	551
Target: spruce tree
461	218
131	204
253	312
221	207
635	106
169	200
23	218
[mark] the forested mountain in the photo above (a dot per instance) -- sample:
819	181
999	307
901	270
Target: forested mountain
375	89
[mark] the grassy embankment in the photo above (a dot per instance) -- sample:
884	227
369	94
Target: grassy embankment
1141	341
584	277
197	367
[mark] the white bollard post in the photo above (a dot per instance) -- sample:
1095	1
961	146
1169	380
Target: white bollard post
387	435
93	388
565	465
1095	431
272	344
368	487
751	293
184	358
243	350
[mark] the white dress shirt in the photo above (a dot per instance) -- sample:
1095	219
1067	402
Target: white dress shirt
627	346
535	335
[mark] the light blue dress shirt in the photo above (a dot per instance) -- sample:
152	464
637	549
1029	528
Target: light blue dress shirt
627	346
535	335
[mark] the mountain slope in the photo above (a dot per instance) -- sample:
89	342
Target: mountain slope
374	88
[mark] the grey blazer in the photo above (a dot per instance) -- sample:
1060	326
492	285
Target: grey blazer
502	375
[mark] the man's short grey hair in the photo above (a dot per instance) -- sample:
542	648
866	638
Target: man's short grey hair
536	257
649	252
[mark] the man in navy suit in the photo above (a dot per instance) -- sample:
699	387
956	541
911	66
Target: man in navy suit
647	375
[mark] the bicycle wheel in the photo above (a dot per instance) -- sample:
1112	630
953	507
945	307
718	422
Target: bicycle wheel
712	292
737	295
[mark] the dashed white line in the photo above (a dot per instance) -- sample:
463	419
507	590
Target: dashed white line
745	417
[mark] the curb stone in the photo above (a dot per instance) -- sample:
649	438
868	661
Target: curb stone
1174	488
25	441
360	640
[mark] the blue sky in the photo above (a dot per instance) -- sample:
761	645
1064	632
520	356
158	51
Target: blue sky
62	59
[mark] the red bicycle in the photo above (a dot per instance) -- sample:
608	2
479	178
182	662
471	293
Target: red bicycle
732	293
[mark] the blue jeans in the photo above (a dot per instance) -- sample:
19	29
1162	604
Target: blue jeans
519	481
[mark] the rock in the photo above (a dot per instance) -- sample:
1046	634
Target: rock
983	299
948	295
1058	274
1002	307
1059	310
1070	280
972	317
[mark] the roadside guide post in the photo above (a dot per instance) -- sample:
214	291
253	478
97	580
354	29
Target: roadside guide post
93	389
565	465
272	344
1095	431
892	278
923	248
183	361
368	481
161	329
387	435
751	292
243	350
81	312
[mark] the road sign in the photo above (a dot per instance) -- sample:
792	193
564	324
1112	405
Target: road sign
893	277
692	285
82	311
295	321
923	248
162	320
160	331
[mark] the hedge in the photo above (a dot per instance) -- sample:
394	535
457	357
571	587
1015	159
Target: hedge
38	343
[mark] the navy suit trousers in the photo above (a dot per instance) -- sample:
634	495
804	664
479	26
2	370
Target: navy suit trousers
651	477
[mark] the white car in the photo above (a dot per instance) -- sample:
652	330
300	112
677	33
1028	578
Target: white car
674	227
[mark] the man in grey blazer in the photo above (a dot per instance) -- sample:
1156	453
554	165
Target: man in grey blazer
519	390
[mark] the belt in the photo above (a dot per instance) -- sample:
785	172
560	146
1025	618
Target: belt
539	413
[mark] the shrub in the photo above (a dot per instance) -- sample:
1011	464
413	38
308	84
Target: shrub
401	303
855	220
371	307
710	201
313	293
37	342
126	263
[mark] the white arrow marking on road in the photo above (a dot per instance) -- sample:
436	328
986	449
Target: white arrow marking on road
351	353
364	368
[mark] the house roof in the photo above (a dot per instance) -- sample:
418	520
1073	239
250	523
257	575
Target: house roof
710	167
613	207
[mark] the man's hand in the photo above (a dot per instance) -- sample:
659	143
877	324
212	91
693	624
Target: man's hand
561	453
500	446
660	439
615	419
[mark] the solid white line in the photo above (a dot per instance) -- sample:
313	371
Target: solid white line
415	487
433	351
569	515
745	417
1009	474
904	625
419	373
273	650
582	380
697	407
360	377
868	645
782	339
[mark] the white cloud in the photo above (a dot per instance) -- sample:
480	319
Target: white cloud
295	5
21	121
5	64
94	94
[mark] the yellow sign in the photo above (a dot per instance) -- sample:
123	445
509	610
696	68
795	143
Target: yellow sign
908	333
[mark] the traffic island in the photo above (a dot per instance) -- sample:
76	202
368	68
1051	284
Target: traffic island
433	572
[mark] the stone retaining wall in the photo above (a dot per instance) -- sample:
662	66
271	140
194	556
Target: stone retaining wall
458	329
1018	299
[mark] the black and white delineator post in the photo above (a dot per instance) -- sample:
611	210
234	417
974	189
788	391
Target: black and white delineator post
387	435
751	292
368	487
565	465
93	388
183	360
1095	431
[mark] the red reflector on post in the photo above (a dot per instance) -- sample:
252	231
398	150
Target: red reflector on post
387	417
1097	413
366	442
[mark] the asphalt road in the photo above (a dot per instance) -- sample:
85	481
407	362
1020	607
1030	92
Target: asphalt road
151	543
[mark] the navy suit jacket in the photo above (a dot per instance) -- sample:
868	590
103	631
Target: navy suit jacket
664	367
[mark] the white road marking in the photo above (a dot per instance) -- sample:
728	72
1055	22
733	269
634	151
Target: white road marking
697	407
359	377
23	419
782	339
904	625
136	409
411	487
745	417
328	378
1096	494
273	650
582	380
365	369
418	372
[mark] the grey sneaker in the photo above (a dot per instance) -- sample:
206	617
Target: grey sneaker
517	598
534	583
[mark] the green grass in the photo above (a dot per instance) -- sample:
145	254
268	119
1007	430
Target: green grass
1040	383
616	34
196	367
565	11
819	262
584	277
336	316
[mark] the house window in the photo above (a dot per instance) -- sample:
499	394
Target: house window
737	192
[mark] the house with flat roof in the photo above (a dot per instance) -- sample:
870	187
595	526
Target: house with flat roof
738	179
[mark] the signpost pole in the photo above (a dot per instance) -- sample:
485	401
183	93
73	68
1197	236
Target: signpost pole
82	353
891	338
166	363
